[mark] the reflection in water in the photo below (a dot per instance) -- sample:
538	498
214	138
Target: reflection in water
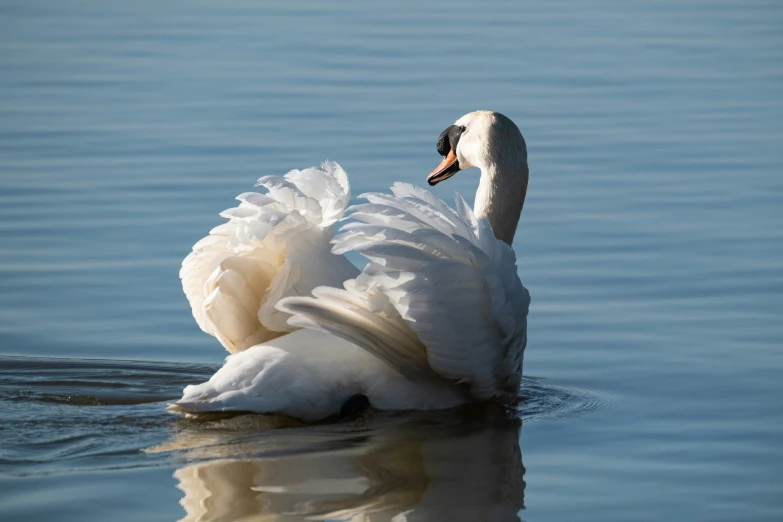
443	466
457	465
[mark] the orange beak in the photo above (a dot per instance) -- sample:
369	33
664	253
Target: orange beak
447	168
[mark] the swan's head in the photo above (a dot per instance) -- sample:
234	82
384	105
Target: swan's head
479	139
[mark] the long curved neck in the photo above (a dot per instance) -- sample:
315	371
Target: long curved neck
501	193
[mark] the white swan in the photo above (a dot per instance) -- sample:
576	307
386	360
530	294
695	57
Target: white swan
437	318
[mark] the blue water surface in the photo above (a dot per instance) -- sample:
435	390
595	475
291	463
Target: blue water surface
651	242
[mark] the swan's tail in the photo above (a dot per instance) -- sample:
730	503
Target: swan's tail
273	245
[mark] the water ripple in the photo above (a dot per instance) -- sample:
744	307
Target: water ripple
69	414
545	400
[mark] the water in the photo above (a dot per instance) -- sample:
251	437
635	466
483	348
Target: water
650	241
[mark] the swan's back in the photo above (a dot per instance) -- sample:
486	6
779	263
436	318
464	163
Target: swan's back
440	297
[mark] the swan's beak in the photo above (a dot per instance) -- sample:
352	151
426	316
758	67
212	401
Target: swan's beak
447	168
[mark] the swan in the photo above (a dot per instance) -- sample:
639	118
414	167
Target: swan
437	318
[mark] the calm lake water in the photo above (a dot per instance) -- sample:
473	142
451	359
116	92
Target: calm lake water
651	242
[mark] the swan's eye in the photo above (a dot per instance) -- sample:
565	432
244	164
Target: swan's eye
448	139
443	143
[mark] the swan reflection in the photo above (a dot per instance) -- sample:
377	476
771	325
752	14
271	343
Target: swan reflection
445	466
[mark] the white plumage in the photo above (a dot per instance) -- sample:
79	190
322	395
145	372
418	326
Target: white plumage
438	317
274	245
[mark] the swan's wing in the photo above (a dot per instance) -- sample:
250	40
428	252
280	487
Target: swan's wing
440	293
273	245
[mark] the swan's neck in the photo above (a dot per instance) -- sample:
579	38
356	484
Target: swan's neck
501	194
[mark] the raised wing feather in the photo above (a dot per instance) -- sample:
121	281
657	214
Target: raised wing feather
440	293
273	245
